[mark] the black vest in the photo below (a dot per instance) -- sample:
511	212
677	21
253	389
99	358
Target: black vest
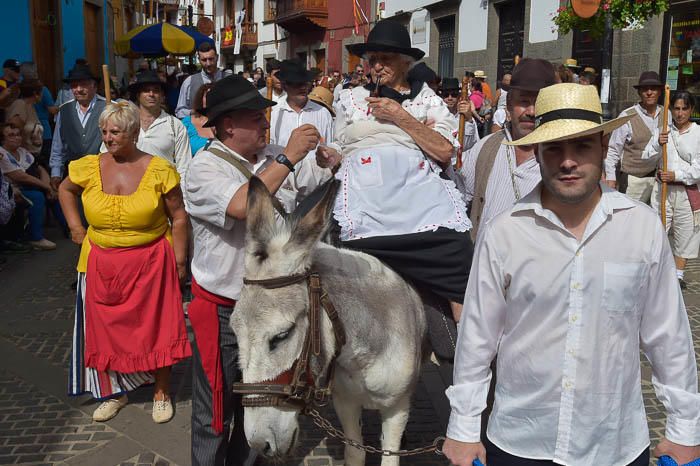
81	141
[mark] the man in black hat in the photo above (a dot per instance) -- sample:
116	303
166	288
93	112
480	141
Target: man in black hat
77	132
296	109
215	194
496	175
636	176
208	58
450	93
272	67
161	134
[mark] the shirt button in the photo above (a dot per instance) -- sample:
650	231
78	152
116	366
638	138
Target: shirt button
576	286
574	318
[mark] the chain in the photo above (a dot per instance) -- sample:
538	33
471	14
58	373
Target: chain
326	425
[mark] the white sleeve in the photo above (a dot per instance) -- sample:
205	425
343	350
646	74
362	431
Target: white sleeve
468	170
183	101
57	158
183	152
209	189
471	135
445	124
653	148
618	138
480	330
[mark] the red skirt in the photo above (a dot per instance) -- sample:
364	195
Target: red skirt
133	309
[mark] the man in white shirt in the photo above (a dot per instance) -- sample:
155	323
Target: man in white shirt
210	73
628	142
566	288
273	67
215	194
161	134
450	93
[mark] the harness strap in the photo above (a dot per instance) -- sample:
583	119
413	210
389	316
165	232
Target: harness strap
278	282
314	317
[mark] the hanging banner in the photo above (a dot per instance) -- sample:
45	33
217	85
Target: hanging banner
240	16
227	39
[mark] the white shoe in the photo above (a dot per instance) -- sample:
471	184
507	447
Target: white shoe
162	411
43	244
109	409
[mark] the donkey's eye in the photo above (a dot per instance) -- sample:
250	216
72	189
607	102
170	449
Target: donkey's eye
279	338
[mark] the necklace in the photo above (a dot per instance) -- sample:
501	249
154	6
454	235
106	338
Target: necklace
510	154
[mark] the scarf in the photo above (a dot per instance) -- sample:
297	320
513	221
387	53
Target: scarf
205	324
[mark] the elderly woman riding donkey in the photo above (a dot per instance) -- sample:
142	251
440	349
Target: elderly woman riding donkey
313	318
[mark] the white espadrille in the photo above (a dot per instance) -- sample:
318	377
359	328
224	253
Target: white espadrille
162	411
108	409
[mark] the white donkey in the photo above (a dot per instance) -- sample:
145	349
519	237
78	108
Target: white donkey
382	315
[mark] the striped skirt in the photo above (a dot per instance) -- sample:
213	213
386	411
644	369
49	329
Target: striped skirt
100	384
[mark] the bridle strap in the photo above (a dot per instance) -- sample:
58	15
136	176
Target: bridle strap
278	282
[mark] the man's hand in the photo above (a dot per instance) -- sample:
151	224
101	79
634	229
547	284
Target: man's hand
327	157
462	453
680	453
466	108
386	109
77	235
666	177
301	141
663	137
55	182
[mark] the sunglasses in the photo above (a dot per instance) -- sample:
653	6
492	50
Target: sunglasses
450	93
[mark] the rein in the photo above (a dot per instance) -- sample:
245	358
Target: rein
296	387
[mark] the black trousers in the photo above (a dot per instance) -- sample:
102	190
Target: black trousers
497	457
231	447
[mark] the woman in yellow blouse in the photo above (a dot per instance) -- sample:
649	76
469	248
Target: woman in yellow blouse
129	324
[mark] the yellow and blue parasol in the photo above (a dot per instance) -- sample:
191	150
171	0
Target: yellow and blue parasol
159	40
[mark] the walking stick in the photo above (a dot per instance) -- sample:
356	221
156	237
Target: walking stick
462	120
268	111
664	155
108	90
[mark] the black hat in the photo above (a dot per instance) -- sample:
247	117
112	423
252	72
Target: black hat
532	74
12	64
422	72
232	93
272	65
449	84
649	78
80	72
387	36
291	71
145	77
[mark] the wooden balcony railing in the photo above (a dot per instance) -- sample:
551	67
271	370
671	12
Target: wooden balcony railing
249	36
296	15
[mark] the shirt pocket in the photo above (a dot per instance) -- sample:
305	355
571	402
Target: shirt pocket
622	285
367	171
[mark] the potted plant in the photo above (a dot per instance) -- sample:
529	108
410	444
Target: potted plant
623	13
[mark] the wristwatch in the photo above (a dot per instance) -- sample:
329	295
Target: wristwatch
281	158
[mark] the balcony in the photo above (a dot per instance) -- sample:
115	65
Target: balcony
299	15
249	37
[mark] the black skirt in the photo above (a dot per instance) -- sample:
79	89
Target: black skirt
436	260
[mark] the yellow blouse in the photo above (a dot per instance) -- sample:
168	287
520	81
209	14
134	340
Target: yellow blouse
118	221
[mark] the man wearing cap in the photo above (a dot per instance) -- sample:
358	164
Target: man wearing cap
272	67
208	58
450	93
496	175
566	288
215	193
296	109
636	177
77	131
161	134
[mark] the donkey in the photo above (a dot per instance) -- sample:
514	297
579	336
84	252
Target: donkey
382	314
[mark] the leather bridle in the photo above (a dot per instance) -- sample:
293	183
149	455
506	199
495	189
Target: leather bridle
296	387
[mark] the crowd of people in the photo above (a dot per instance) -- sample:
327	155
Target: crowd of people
533	227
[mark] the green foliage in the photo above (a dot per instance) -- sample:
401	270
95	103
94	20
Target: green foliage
624	13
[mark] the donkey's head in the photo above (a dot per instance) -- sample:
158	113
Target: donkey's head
271	324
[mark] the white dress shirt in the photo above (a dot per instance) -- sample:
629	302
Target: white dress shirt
500	193
166	138
567	319
219	240
686	169
623	135
184	106
57	158
284	120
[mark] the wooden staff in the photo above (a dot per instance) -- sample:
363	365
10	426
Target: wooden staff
268	111
462	120
664	154
105	77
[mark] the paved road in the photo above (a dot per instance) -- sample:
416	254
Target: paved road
40	425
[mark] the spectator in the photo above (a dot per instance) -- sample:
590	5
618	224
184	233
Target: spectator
565	74
210	73
65	93
586	78
194	123
11	220
32	180
273	67
477	95
129	318
259	78
23	115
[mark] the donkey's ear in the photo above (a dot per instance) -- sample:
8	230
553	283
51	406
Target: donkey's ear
260	216
311	227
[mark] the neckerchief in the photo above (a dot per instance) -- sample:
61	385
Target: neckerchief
384	91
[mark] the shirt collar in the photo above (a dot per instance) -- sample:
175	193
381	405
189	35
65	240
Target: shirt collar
610	201
641	110
92	104
284	105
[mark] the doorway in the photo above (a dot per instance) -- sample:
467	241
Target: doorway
446	46
511	27
46	42
93	37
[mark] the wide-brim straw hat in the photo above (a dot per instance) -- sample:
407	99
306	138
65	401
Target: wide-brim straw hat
480	74
322	96
568	111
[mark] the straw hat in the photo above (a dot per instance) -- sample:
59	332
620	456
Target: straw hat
568	111
571	63
322	96
480	74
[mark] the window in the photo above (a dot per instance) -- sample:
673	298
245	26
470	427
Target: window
446	46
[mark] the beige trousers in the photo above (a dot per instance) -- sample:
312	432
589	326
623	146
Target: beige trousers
640	189
684	232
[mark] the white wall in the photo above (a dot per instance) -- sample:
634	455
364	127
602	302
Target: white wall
266	37
542	29
473	26
391	7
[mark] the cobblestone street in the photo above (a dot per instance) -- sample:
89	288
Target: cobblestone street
39	424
